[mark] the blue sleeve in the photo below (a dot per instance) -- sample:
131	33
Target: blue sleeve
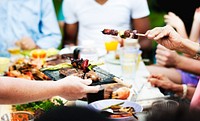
49	29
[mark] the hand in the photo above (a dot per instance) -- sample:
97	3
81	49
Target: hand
166	57
76	88
197	14
26	43
174	21
161	81
166	36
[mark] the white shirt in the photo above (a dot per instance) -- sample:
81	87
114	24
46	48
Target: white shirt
93	17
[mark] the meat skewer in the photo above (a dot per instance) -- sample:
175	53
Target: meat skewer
123	34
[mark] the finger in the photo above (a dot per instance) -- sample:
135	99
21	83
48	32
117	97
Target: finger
160	63
161	47
154	32
92	89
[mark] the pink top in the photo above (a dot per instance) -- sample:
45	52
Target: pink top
195	102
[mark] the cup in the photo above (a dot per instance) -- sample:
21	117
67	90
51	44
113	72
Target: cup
4	64
129	62
89	53
164	105
91	97
18	116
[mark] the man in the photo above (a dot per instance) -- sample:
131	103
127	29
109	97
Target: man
85	19
29	24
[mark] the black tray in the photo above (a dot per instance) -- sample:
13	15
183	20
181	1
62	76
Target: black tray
106	77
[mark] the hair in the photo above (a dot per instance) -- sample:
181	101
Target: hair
183	113
71	113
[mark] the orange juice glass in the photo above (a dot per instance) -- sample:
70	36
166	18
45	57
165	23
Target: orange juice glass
111	45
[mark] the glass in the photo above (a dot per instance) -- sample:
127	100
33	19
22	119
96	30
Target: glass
38	54
18	116
4	64
129	62
89	53
164	105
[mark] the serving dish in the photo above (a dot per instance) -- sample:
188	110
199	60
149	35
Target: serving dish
103	104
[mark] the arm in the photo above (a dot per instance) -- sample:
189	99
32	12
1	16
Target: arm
163	82
16	90
70	34
168	58
169	38
142	25
195	31
174	21
50	32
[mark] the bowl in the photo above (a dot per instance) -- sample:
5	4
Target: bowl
101	104
18	116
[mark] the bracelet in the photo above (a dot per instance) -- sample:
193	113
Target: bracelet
197	55
184	90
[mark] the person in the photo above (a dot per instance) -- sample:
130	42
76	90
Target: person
176	22
162	81
169	38
185	11
173	65
19	91
86	19
182	113
71	113
29	24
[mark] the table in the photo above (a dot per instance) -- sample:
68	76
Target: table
146	96
147	93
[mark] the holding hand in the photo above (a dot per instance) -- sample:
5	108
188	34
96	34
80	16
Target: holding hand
165	36
26	43
166	57
76	88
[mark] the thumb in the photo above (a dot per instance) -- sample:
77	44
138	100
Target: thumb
92	89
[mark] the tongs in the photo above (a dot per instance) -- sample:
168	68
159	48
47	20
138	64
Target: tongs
111	76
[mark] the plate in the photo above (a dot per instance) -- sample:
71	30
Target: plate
110	58
99	105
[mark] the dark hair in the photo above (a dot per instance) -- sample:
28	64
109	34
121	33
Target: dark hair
183	113
71	113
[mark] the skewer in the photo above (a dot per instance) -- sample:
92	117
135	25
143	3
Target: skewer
139	34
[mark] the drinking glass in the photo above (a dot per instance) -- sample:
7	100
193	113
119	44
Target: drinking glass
129	62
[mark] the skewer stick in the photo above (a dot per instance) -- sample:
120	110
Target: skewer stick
139	34
122	82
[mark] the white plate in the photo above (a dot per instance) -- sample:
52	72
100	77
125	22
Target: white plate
99	105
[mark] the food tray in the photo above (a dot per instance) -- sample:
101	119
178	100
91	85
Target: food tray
106	77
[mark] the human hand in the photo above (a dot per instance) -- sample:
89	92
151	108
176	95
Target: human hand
174	21
166	57
197	14
73	87
26	43
166	36
161	81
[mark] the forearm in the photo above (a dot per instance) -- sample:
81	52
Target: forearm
17	90
195	31
188	47
178	89
189	65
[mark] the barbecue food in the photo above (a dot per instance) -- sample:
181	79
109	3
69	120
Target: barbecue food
122	34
